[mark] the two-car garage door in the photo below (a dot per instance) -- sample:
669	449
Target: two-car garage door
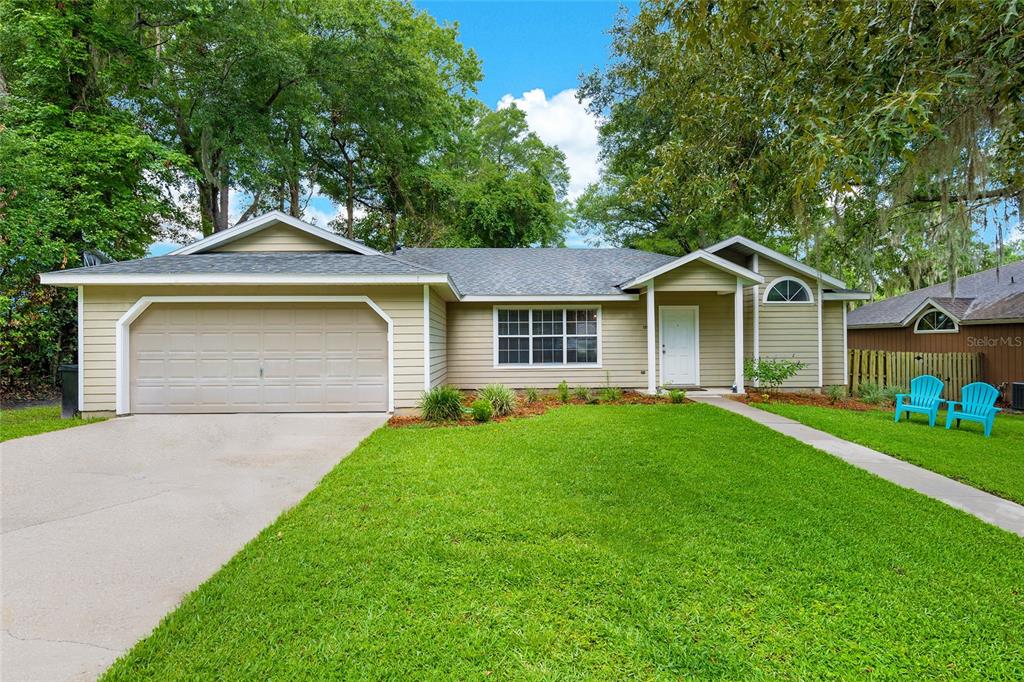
241	357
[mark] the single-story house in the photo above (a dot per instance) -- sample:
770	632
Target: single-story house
278	315
986	316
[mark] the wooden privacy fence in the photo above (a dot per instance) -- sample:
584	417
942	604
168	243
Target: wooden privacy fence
897	368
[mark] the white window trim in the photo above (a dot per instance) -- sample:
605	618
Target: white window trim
696	334
122	354
917	323
771	285
531	364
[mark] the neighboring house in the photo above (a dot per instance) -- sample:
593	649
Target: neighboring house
278	315
986	316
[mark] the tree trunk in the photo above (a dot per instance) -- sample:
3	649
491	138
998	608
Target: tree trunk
208	206
350	201
293	201
224	201
393	219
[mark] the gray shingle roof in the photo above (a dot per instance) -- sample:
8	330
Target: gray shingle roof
267	262
537	272
978	297
475	272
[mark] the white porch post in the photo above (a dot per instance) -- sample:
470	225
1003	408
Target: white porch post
738	317
821	354
652	357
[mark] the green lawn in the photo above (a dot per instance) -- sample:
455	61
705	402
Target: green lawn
28	421
994	464
669	541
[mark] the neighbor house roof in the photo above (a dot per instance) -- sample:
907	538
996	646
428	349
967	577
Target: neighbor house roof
980	297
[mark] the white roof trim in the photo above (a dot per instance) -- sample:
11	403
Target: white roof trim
700	254
782	258
925	304
266	220
573	298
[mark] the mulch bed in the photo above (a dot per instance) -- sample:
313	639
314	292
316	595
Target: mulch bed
814	399
525	409
13	398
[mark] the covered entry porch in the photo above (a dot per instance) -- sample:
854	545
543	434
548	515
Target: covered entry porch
695	322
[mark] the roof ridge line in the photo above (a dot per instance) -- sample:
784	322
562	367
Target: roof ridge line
397	259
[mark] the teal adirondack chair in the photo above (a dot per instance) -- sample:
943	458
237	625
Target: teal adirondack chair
923	398
977	404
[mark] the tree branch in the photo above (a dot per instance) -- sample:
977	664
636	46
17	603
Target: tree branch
998	193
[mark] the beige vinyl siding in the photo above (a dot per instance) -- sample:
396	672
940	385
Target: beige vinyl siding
695	276
279	238
623	345
789	331
471	350
750	295
832	342
438	340
104	305
716	337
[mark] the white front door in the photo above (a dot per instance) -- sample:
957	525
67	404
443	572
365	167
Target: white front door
679	345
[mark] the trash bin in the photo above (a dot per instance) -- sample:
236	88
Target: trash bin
68	390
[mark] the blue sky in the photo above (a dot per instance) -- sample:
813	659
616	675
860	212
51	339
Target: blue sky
528	45
533	53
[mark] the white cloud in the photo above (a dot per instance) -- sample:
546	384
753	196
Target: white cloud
565	123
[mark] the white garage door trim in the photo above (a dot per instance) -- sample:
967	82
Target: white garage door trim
122	354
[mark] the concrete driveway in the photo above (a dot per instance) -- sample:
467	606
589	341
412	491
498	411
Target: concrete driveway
106	527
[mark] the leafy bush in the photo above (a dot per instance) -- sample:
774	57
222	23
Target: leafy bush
609	394
532	395
501	397
563	391
677	395
835	393
581	393
769	373
441	404
481	410
870	393
888	394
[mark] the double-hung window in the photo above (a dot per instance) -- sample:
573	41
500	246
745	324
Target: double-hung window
546	336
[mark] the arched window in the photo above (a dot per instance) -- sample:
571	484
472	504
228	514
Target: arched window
788	290
933	322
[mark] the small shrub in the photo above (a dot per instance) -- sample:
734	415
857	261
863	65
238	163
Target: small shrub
563	391
441	404
677	395
501	397
835	393
888	394
581	393
770	374
870	393
610	394
481	410
532	395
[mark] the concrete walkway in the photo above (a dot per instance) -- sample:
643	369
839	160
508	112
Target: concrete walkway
989	508
105	527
